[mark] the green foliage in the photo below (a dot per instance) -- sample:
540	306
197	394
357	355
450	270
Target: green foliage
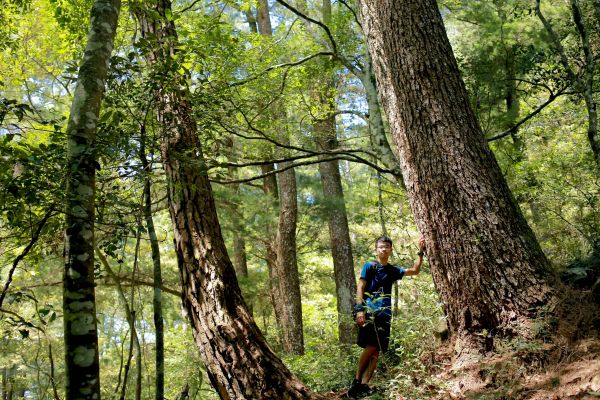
239	99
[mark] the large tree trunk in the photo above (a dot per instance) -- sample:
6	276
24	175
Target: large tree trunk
485	260
82	369
239	362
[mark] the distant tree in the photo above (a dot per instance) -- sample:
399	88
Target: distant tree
582	78
281	245
323	93
79	301
485	260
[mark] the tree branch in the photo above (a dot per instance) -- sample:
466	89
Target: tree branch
319	23
299	164
353	13
556	40
25	251
288	65
527	118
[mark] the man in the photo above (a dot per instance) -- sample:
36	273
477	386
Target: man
373	309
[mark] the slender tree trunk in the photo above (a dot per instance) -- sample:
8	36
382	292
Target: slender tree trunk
269	240
339	233
157	273
376	122
82	370
52	374
583	82
240	262
270	190
134	336
129	314
285	282
331	182
485	260
4	384
513	106
287	278
239	362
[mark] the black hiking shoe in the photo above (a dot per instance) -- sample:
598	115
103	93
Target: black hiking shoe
365	390
355	389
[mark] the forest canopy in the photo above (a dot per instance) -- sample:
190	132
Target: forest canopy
195	186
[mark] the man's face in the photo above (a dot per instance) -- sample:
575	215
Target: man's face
383	249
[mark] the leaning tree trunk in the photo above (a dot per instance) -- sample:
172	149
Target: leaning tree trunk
239	362
82	369
485	260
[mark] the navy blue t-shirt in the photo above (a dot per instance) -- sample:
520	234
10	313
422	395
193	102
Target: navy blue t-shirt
378	292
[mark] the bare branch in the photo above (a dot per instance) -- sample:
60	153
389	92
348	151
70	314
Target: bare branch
356	19
319	23
556	40
351	158
284	65
527	118
25	251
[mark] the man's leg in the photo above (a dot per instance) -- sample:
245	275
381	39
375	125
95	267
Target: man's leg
364	362
366	377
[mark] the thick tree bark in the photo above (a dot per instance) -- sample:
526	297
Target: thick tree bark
485	260
82	370
239	362
157	273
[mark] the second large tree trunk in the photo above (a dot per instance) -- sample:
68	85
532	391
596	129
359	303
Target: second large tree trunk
485	260
239	362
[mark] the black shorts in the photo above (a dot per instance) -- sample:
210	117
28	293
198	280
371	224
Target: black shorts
375	332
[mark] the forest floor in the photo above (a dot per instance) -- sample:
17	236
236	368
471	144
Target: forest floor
563	364
550	371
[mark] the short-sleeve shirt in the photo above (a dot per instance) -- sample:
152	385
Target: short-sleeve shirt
378	292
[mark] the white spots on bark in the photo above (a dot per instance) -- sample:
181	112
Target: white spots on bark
91	120
93	46
84	357
87	234
73	274
107	27
344	292
83	257
83	325
85	191
79	98
79	212
77	306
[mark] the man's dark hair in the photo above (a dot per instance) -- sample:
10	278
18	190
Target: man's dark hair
384	239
